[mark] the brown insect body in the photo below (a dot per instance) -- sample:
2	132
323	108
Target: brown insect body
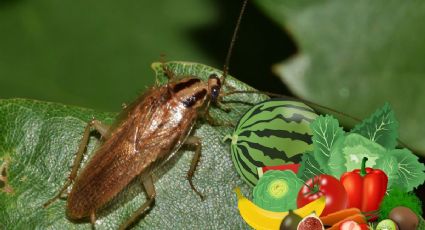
153	129
149	133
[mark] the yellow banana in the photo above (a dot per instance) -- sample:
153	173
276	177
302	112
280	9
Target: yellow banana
261	219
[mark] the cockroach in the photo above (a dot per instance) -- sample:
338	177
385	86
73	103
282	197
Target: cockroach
154	127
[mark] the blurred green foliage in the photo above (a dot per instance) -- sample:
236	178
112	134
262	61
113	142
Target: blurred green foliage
356	55
98	54
90	53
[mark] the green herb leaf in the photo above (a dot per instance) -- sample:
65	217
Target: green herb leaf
381	127
410	172
326	132
309	167
39	141
399	197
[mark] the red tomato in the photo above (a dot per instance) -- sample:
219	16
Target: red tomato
324	185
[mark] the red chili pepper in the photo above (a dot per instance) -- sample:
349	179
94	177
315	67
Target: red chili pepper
366	187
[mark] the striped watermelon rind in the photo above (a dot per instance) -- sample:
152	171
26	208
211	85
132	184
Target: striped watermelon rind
273	132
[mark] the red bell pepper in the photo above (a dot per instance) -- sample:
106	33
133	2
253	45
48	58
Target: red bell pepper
366	187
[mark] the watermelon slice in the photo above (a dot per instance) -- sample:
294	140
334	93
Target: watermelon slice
292	167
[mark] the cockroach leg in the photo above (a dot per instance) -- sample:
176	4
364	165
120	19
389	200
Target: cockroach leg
103	130
222	106
151	194
213	122
3	171
4	182
209	119
196	143
93	219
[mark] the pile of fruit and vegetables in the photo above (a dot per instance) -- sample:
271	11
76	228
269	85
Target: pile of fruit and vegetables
307	173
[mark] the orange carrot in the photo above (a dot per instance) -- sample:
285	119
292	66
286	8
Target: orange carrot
335	217
358	218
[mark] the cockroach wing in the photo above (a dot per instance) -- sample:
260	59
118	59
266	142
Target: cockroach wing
156	125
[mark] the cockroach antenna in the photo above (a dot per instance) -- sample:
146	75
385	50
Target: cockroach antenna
232	43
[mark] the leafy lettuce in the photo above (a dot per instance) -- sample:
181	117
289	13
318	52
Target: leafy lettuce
336	152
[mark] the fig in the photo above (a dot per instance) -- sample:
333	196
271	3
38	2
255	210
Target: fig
387	225
311	222
290	222
405	218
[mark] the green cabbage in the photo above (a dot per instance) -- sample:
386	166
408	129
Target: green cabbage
277	190
400	165
347	154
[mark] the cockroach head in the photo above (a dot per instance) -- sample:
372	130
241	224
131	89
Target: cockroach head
214	85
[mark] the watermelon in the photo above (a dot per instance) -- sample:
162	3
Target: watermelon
273	132
293	167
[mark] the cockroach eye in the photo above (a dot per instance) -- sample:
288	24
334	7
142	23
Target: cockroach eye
215	91
215	84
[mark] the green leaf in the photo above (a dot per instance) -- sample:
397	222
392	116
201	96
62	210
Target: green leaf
410	172
348	152
326	132
381	127
39	139
389	165
309	167
355	55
